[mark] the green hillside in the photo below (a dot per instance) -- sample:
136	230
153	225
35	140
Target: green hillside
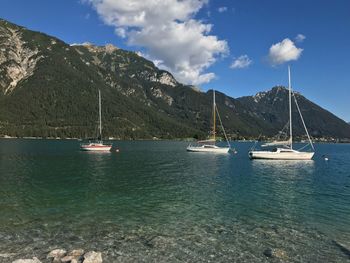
49	89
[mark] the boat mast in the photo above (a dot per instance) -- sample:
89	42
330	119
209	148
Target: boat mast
214	117
290	109
99	111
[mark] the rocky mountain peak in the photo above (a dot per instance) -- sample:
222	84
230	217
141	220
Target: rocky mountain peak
273	93
167	79
108	48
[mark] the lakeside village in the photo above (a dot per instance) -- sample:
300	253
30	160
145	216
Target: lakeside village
236	138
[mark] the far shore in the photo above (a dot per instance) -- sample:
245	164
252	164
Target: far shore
319	140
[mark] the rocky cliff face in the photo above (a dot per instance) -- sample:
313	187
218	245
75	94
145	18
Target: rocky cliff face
17	60
49	88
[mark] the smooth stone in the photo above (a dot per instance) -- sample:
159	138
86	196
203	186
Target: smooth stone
34	260
57	253
268	252
67	259
76	253
93	257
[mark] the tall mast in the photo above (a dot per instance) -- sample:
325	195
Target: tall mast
290	109
214	117
99	111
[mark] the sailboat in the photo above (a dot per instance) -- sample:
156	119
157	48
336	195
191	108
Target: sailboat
284	149
98	145
210	144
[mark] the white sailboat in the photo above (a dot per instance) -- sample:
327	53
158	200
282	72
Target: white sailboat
284	149
209	145
98	145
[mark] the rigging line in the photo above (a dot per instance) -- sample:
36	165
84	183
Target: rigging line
222	126
302	120
255	143
304	147
282	132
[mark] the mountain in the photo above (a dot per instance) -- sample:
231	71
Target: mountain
272	107
49	89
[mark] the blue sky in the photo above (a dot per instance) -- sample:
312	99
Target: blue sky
199	40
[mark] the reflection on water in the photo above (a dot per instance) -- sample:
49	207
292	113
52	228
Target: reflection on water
289	168
284	178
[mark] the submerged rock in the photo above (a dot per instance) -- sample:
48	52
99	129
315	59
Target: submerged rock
34	260
93	257
280	253
275	253
268	252
343	248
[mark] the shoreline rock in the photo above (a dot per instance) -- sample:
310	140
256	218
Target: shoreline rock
57	253
74	256
93	257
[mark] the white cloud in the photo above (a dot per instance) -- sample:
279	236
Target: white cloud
284	51
222	9
120	32
300	38
169	33
241	62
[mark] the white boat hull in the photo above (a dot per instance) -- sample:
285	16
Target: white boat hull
208	149
292	155
96	147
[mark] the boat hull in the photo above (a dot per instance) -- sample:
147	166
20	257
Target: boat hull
208	150
96	147
295	155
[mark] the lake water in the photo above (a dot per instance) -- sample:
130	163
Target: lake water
155	202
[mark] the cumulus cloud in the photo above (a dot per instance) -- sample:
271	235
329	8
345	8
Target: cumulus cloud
241	62
222	9
120	32
283	51
168	32
300	38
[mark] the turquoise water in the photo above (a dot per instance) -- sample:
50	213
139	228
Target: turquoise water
155	202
